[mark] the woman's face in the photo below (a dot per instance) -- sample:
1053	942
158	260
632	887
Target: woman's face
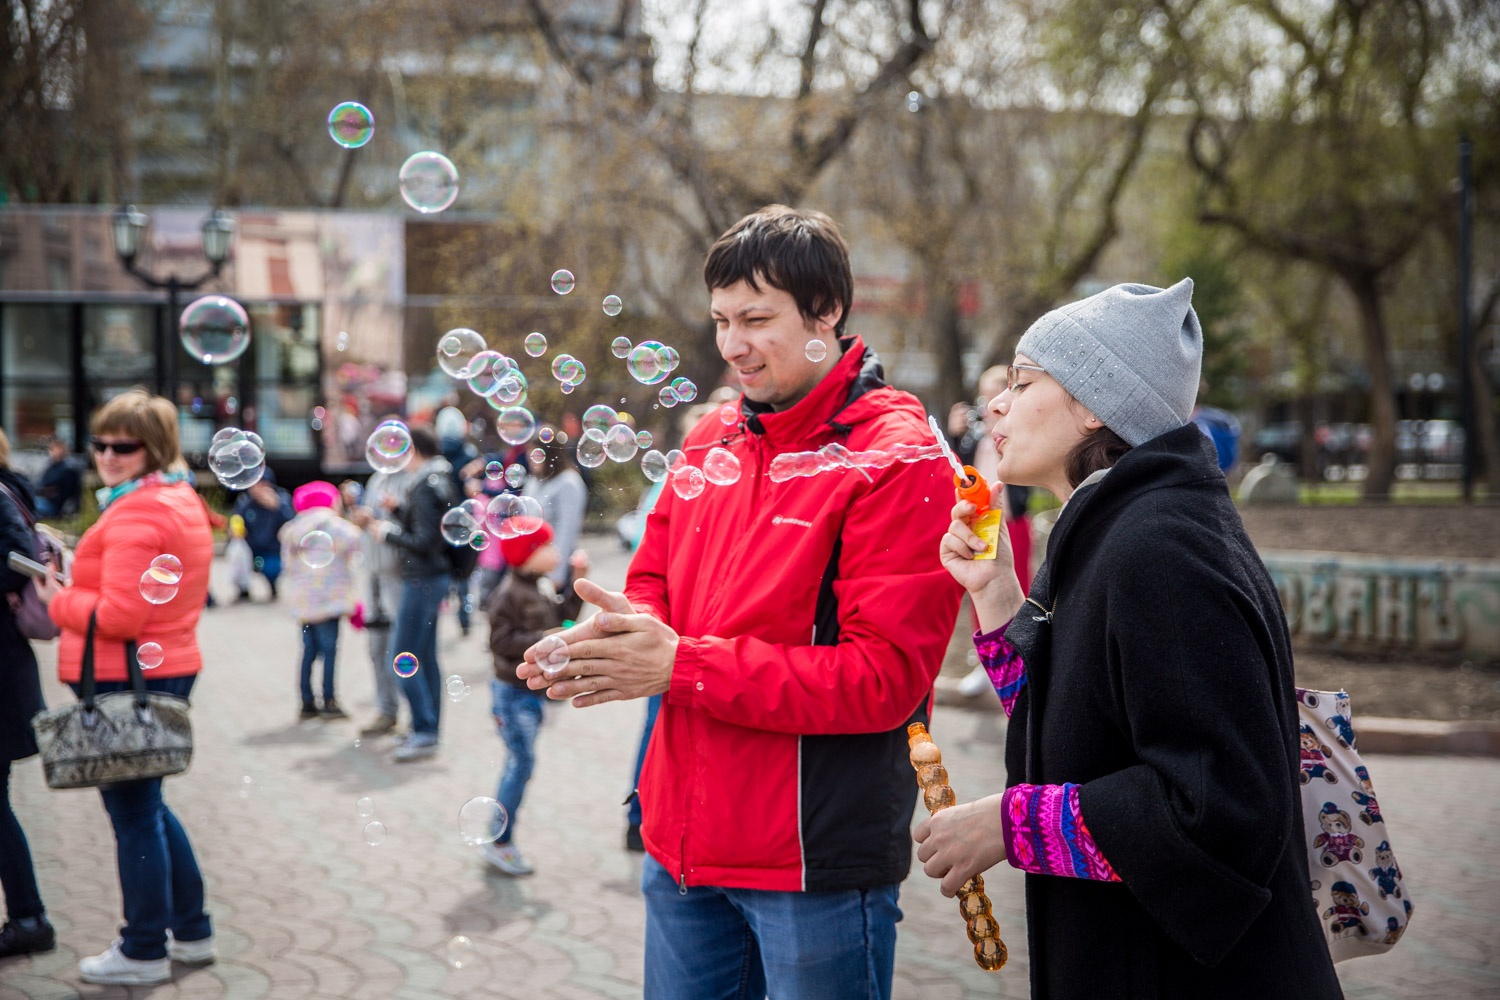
1036	424
115	468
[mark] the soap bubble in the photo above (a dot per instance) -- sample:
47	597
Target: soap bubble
667	357
537	456
816	350
515	475
729	414
365	807
558	364
562	282
342	343
644	364
405	664
566	388
458	526
149	655
643	439
688	481
237	458
686	389
552	655
510	387
457	348
485	371
620	346
515	425
157	586
654	465
612	305
509	516
456	688
168	565
619	443
375	833
351	124
389	447
545	435
590	453
479	541
668	396
600	417
494	470
481	820
214	329
316	549
461	951
429	182
675	457
721	467
475	507
536	344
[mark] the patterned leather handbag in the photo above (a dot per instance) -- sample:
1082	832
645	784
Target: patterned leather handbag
1362	902
119	736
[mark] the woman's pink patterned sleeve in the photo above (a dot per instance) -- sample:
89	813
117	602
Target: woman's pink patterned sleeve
1002	662
1045	833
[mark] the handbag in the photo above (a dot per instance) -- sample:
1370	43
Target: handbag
1362	902
30	613
118	736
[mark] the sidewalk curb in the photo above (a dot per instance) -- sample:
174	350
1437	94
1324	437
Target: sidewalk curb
1375	734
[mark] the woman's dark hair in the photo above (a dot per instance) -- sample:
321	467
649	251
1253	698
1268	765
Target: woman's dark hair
1099	450
800	252
423	441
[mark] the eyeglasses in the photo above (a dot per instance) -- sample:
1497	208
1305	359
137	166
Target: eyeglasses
1010	374
118	447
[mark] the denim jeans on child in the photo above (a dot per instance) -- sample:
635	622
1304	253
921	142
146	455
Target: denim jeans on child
518	715
415	632
746	943
319	639
160	882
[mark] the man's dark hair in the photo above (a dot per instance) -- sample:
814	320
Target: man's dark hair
423	441
800	252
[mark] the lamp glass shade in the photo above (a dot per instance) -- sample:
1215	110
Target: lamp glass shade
217	229
126	226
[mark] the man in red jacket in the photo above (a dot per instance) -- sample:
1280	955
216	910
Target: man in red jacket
794	628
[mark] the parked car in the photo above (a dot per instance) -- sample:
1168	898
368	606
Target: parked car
1283	439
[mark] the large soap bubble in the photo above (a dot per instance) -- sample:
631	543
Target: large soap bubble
458	348
214	329
429	182
389	448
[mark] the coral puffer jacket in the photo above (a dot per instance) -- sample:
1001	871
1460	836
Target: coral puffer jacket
107	568
813	615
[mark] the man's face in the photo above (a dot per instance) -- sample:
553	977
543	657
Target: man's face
764	339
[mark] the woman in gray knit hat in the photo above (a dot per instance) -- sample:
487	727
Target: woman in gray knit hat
1152	754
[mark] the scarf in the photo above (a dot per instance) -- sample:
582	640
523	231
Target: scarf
109	494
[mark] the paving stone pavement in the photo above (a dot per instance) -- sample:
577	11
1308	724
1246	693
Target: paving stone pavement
303	907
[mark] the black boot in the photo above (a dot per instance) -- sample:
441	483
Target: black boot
26	935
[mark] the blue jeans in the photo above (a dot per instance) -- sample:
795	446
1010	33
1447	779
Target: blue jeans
385	597
159	877
319	639
713	943
269	566
653	705
17	876
415	632
518	715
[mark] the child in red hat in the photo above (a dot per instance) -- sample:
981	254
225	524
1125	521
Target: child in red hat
525	607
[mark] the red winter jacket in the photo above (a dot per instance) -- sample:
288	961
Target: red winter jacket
107	569
813	617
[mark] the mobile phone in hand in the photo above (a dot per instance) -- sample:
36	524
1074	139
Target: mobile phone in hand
30	567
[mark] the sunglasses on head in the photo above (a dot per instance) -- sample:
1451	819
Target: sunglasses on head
118	447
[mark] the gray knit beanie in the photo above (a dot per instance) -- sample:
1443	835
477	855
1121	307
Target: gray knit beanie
1132	354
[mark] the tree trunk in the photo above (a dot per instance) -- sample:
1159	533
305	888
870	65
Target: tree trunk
942	314
1484	425
1382	472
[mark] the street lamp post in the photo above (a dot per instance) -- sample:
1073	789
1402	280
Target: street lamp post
127	226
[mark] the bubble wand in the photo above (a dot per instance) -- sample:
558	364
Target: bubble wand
927	760
971	486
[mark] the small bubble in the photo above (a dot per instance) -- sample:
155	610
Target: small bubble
365	807
536	344
456	688
816	350
460	952
375	833
552	655
612	305
562	282
149	655
405	664
620	347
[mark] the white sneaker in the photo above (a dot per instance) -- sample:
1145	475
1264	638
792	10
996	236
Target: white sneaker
200	952
412	750
507	858
114	968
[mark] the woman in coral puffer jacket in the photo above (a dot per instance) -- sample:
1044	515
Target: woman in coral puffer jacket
148	509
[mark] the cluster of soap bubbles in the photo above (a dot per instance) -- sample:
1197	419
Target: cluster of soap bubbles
464	525
214	329
510	516
606	434
481	820
650	361
237	458
834	457
374	830
389	448
159	581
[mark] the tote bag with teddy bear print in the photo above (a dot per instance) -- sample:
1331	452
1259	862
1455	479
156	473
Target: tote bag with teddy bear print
1362	902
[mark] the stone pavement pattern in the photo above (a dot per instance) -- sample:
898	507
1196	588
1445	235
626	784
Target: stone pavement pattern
303	907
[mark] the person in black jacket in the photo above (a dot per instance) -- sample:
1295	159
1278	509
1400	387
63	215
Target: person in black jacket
1152	756
61	485
26	929
426	576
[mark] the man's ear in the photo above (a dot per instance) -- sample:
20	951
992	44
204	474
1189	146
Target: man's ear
829	321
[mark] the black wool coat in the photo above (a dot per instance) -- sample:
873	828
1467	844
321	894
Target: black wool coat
20	684
1162	685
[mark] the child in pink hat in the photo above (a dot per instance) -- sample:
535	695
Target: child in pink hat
317	551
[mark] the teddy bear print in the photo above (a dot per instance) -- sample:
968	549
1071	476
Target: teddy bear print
1338	840
1344	915
1369	812
1385	873
1339	721
1314	757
